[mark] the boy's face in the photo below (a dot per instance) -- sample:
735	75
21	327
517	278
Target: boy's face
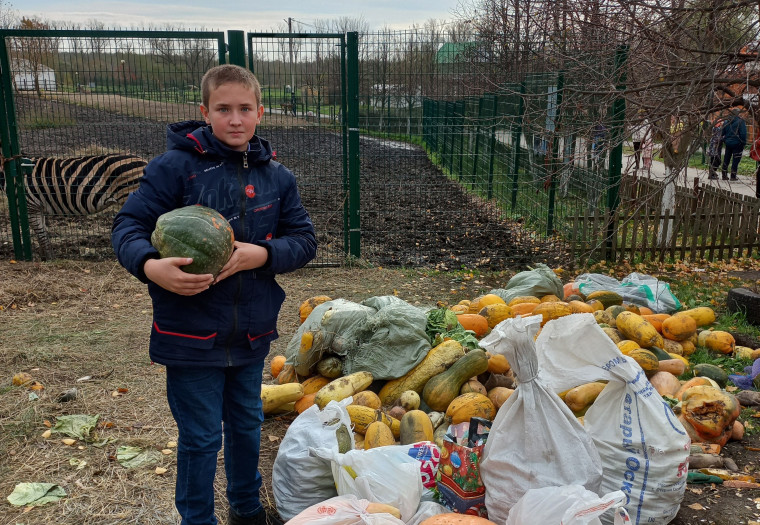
233	112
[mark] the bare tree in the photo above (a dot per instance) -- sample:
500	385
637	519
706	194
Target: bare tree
686	62
687	59
8	15
32	54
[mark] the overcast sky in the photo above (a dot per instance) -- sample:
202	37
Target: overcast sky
235	14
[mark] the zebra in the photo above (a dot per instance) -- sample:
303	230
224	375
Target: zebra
76	186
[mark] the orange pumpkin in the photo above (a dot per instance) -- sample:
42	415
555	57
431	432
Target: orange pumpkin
480	302
309	304
305	402
523	309
569	289
475	322
454	518
498	364
313	384
276	365
679	327
579	307
643	310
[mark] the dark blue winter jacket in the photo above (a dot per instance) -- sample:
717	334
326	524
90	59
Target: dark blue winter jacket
735	133
233	322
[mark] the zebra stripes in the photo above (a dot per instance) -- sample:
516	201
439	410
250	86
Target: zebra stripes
77	186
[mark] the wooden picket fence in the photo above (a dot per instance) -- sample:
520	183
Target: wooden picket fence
707	223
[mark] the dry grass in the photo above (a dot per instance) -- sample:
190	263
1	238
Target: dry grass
66	320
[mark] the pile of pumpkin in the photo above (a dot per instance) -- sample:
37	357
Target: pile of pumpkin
451	385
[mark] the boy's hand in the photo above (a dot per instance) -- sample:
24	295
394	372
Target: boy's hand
245	257
168	274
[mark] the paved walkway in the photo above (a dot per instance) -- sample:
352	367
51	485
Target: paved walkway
744	186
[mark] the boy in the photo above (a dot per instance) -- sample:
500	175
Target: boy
213	334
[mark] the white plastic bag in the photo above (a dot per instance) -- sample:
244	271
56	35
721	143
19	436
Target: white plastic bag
643	446
343	510
427	509
383	474
298	479
535	440
636	288
566	505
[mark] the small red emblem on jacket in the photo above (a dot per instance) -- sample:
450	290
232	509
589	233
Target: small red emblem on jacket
249	191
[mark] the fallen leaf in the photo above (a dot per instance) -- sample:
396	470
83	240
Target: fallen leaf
47	423
171	444
696	506
160	471
46	434
122	390
167	451
274	438
68	441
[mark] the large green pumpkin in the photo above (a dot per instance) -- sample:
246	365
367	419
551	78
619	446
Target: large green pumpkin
198	232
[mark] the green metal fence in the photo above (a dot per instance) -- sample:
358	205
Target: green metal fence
72	93
82	93
542	150
409	149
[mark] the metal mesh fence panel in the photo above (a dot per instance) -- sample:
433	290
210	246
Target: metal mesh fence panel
468	157
519	147
85	94
302	93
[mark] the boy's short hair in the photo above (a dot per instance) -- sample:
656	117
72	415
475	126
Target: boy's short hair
226	74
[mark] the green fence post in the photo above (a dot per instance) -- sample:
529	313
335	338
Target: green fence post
516	137
14	177
460	128
344	135
553	160
492	147
352	72
445	132
474	174
236	41
616	155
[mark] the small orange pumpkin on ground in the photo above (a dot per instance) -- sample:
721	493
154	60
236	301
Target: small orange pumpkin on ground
276	365
523	309
482	301
454	518
475	322
305	402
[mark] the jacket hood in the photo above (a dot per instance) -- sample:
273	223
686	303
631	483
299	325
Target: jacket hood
195	135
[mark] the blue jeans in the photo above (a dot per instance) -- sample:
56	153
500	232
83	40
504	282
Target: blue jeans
733	155
204	400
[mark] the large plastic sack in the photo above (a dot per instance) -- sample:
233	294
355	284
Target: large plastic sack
328	328
635	288
535	440
382	474
343	510
383	335
643	446
299	479
537	282
567	505
390	341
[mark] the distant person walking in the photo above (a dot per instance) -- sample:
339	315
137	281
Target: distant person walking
734	136
715	147
639	135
